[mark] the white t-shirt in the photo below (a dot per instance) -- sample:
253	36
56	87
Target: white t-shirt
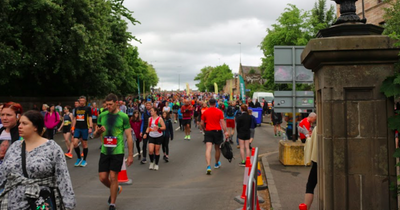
5	135
166	109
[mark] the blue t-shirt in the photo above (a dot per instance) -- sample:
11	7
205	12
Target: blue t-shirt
180	116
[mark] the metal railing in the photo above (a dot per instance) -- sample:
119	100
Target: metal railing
251	194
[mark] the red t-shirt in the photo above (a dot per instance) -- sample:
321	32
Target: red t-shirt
305	123
212	117
187	111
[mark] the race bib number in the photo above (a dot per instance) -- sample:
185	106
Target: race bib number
80	117
110	141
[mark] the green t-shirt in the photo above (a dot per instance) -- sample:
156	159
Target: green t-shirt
113	137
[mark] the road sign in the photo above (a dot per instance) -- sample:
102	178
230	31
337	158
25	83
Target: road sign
287	64
283	101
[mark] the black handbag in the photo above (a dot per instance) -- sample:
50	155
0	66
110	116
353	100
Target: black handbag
46	199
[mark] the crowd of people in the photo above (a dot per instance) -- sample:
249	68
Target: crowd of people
133	122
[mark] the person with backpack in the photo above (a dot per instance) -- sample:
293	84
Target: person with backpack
230	120
213	123
276	119
154	130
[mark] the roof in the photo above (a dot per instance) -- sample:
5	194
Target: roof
246	69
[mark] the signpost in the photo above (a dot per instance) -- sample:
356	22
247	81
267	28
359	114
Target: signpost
288	69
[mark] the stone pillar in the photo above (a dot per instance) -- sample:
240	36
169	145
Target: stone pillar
355	165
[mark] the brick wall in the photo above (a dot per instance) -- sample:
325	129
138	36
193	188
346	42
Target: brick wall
374	10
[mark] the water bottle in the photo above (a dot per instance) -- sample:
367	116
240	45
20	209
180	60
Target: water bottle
284	136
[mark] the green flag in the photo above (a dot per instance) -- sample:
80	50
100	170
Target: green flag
242	89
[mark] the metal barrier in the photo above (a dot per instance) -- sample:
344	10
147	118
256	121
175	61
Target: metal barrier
251	194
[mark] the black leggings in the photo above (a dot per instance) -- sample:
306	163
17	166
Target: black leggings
312	178
50	133
144	146
165	145
138	146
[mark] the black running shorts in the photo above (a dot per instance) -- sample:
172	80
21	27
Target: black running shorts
109	163
215	137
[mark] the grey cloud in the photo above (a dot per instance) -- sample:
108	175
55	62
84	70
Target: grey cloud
187	35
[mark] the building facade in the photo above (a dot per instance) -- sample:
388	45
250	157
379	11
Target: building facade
374	11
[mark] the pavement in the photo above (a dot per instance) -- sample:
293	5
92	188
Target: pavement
182	184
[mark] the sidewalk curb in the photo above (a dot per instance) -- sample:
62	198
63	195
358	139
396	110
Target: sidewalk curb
273	192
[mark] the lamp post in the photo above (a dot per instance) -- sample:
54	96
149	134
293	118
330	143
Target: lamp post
240	54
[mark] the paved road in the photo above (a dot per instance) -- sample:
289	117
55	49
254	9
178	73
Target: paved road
182	183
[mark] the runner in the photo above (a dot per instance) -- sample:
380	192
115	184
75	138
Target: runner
154	131
187	112
145	122
168	133
51	120
212	121
113	125
66	127
230	120
175	107
95	114
81	127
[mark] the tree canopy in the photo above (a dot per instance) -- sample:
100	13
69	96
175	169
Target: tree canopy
293	27
68	47
210	75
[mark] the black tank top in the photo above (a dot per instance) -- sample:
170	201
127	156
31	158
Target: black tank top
67	119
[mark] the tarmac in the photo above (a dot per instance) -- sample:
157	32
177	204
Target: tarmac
286	184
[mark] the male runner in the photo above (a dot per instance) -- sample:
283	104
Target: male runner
113	124
81	127
187	112
145	123
212	122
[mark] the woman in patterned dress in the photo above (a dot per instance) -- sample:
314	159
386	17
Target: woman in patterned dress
44	161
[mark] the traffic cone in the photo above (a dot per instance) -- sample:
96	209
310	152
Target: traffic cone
253	151
302	206
123	176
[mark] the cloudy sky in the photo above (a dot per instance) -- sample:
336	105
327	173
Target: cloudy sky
180	37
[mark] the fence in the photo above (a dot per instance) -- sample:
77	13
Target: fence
251	194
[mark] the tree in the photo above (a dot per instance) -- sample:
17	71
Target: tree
74	47
202	77
210	75
391	85
294	27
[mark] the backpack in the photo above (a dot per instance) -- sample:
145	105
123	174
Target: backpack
230	112
226	150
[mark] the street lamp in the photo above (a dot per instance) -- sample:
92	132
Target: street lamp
240	55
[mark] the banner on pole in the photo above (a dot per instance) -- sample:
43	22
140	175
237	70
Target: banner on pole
187	89
242	89
215	88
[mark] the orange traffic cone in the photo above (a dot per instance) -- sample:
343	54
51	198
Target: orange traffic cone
246	177
123	176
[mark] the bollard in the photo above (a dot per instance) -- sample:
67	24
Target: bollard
302	206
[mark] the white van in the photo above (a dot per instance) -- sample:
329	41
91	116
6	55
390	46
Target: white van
267	96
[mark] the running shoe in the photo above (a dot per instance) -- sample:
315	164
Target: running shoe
217	165
151	167
143	161
84	163
242	163
68	155
118	192
175	121
78	162
166	159
186	137
279	133
208	170
156	167
275	135
112	207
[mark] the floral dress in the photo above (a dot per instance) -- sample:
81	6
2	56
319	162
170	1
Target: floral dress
44	161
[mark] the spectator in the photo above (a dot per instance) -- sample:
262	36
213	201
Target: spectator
305	126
